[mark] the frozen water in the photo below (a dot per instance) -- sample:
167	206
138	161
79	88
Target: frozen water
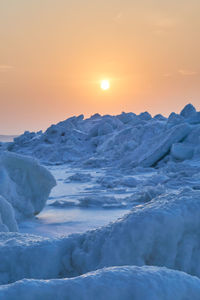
135	181
126	140
7	216
24	184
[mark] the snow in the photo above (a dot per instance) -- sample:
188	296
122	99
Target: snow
126	208
125	140
7	216
182	151
188	111
138	283
162	232
24	184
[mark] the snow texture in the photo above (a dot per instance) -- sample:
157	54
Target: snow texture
162	232
117	283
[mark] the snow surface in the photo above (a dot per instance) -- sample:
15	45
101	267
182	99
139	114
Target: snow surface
24	184
108	166
117	283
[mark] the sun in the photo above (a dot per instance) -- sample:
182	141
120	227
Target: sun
105	84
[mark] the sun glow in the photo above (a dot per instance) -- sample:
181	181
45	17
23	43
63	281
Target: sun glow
105	84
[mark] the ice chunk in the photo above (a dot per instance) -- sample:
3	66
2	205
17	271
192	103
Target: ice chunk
145	116
24	184
79	177
159	146
124	140
182	151
105	128
188	111
7	216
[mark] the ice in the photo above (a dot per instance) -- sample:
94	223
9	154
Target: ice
79	177
117	283
126	205
100	141
7	216
162	232
148	153
188	111
63	220
24	184
181	151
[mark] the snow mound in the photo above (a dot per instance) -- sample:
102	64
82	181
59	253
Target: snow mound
162	232
124	140
24	184
117	283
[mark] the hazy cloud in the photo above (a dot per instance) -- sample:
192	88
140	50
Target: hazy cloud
185	72
5	68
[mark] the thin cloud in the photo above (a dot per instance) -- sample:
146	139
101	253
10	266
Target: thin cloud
185	72
5	68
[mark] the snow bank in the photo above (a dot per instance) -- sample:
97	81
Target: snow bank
117	283
162	232
125	140
24	184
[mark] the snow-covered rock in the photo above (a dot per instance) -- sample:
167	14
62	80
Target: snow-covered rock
24	184
117	283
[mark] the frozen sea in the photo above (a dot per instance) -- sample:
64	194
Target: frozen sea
123	220
63	214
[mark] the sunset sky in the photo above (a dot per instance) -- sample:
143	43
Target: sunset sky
54	53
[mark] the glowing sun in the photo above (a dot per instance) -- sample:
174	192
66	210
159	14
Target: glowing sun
105	84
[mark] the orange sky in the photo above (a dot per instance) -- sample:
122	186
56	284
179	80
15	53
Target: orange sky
54	53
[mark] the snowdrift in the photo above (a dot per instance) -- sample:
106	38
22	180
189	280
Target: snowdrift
163	232
24	184
117	283
125	140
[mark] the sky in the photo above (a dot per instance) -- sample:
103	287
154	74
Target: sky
53	55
